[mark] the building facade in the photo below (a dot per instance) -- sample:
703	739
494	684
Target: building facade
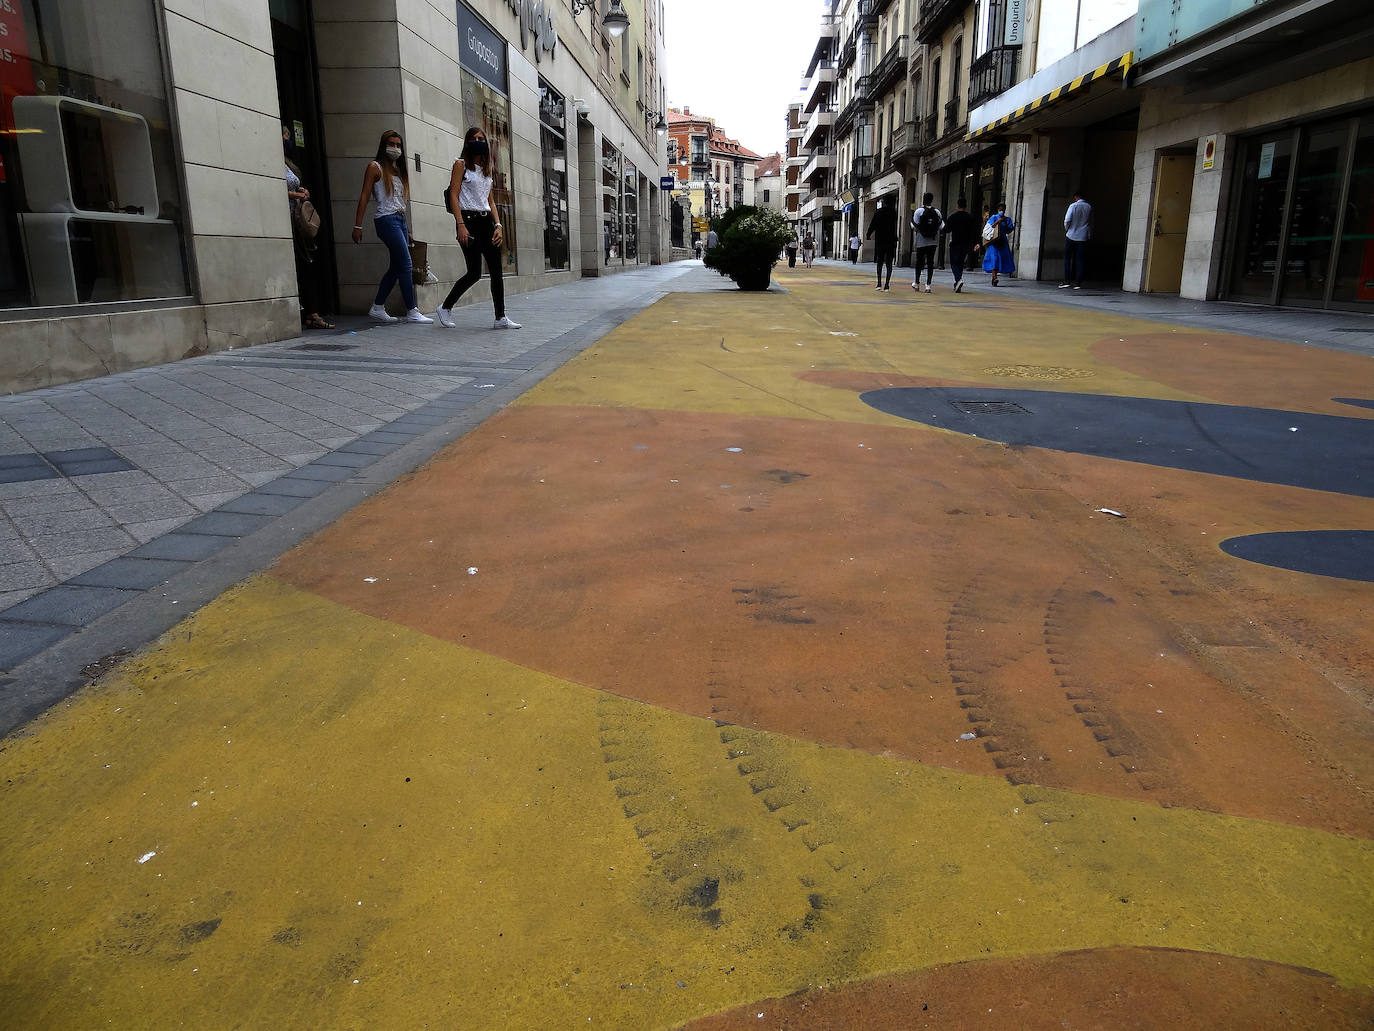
768	183
143	214
713	172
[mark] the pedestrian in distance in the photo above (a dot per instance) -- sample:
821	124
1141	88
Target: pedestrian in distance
926	220
387	183
478	225
791	249
854	244
883	230
997	232
697	246
962	230
808	249
1078	230
303	240
712	240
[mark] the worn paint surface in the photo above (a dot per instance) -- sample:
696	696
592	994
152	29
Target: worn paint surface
754	690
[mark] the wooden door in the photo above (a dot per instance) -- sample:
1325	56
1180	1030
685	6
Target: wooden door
1169	223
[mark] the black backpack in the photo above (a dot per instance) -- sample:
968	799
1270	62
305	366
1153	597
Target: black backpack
928	222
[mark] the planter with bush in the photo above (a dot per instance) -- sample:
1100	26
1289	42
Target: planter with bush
750	242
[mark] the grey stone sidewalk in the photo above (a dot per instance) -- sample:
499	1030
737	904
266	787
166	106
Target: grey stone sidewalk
111	487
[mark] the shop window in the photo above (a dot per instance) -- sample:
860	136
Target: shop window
610	204
554	147
1354	276
90	199
631	209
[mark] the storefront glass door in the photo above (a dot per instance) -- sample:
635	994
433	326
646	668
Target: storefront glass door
1316	204
1354	279
1263	199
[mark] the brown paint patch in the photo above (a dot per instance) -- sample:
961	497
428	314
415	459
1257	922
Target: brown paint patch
1243	370
1126	989
910	588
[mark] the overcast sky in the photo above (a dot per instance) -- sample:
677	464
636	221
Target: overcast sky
739	62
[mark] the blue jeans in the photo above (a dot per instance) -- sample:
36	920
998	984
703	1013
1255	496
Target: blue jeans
391	230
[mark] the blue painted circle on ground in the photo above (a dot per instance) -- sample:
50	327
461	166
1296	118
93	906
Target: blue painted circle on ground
1346	554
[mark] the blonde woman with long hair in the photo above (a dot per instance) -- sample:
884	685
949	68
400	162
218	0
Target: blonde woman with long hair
387	182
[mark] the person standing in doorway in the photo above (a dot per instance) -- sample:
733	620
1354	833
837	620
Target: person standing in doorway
305	246
883	231
854	244
1078	230
926	220
997	232
387	182
479	228
962	230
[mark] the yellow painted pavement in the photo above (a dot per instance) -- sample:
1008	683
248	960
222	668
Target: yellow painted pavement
288	814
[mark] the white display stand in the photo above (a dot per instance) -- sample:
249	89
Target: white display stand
149	247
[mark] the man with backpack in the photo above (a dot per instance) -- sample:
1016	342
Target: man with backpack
926	221
963	231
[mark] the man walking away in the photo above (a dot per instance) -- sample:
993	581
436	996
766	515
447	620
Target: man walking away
1078	230
711	240
926	220
883	230
963	233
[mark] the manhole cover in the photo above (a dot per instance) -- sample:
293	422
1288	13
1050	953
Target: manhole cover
325	347
1040	372
990	408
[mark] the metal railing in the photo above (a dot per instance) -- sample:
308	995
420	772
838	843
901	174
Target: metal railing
936	15
952	123
890	68
991	74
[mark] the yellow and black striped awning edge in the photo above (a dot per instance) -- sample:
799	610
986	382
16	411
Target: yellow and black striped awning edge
1118	66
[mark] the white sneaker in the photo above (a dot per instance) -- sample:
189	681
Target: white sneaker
379	314
444	317
927	288
505	322
416	315
959	287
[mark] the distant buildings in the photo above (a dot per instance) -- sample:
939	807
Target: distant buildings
714	172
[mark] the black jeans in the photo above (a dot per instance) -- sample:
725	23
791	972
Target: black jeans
885	256
481	228
791	257
957	257
925	259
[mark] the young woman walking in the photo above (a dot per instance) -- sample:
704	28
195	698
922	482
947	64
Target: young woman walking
479	227
997	257
387	182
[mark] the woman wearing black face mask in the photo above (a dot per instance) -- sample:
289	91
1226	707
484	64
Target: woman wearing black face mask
479	228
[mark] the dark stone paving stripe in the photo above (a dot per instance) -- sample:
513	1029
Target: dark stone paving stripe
20	641
184	547
131	574
324	473
226	524
68	605
348	460
256	503
295	488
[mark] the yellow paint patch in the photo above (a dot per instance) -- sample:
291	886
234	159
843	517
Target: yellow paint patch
289	814
746	358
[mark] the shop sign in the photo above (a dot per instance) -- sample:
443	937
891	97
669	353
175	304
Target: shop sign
1209	153
16	75
667	182
1016	12
535	20
480	50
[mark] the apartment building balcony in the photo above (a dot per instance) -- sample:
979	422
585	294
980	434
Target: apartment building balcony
821	88
818	202
798	160
868	12
797	133
936	16
848	51
991	74
817	127
890	70
906	141
819	164
865	168
825	43
845	119
952	123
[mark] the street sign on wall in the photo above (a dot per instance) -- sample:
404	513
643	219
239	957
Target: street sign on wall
667	182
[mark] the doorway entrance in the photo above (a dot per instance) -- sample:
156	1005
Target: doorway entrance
1173	204
293	47
1304	213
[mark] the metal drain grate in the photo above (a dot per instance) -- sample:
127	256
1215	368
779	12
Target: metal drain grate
990	408
325	347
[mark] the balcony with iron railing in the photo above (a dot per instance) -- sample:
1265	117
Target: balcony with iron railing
848	51
890	69
865	168
869	11
991	74
936	16
850	111
952	123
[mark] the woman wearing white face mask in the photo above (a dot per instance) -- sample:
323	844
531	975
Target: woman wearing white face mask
388	183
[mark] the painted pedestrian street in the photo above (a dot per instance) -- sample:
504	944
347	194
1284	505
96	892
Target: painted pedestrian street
816	659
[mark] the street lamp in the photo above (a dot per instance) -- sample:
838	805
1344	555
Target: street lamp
615	21
661	126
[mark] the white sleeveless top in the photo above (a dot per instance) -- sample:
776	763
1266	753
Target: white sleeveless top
389	203
474	193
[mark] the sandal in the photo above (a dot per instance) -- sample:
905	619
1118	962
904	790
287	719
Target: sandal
316	322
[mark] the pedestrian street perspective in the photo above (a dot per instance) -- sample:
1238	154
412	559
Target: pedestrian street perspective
819	657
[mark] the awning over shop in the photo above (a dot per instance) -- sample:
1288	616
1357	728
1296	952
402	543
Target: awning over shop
1113	71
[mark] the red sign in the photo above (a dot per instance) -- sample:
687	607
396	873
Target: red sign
16	74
